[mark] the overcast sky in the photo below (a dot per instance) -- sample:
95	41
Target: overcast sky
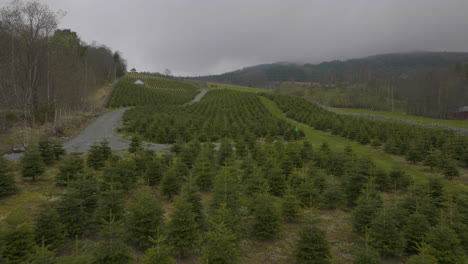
198	37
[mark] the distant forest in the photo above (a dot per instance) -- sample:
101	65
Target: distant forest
431	84
44	69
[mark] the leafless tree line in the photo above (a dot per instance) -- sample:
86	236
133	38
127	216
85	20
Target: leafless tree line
44	69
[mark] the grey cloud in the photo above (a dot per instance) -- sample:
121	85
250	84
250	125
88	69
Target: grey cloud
205	37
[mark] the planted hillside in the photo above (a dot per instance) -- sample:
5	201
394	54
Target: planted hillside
160	83
438	148
267	194
126	93
220	114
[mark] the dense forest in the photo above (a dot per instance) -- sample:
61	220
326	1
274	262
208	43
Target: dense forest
428	83
44	69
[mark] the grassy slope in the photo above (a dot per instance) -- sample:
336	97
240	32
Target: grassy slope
403	116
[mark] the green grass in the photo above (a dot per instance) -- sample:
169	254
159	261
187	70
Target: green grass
383	160
405	117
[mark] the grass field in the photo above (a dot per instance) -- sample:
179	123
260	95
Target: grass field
405	117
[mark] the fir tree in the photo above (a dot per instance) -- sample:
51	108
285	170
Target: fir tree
332	197
433	159
158	253
266	217
170	184
154	172
70	169
95	158
203	172
106	151
385	234
135	145
7	180
32	165
276	181
423	257
58	149
225	151
444	245
290	208
220	245
42	255
18	243
46	149
120	174
182	228
48	229
366	210
191	194
450	170
312	248
415	228
110	201
145	217
77	206
111	250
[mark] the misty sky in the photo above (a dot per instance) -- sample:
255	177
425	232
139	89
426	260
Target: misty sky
198	37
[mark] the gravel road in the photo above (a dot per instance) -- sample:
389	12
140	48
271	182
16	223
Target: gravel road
103	127
199	96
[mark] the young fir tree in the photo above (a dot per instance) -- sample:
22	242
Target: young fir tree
290	208
145	217
225	151
312	248
7	179
32	165
414	230
276	180
106	151
366	255
48	230
135	144
332	197
422	257
77	206
112	250
450	170
95	158
18	243
220	245
58	149
385	234
433	159
170	184
42	255
158	253
191	194
368	205
203	172
110	201
120	175
444	245
46	149
70	169
266	217
154	172
182	228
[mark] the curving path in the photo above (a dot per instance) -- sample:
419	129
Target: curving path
105	127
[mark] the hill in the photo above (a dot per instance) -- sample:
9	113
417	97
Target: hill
336	70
